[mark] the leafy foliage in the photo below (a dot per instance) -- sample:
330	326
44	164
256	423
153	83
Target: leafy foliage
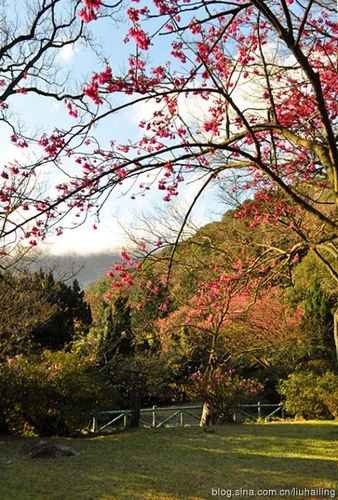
73	314
317	324
54	394
311	394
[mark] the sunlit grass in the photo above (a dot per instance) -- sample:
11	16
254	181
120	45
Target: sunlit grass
178	463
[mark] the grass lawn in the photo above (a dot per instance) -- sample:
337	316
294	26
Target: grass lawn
181	464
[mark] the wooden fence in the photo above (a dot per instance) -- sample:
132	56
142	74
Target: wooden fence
179	416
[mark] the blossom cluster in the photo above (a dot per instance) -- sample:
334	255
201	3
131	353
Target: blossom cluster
89	11
223	390
226	381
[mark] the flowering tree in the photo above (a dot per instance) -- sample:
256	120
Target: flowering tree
223	322
241	94
224	390
283	136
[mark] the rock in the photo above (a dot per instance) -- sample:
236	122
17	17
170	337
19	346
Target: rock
46	449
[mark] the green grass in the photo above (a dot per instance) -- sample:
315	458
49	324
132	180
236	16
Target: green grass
178	464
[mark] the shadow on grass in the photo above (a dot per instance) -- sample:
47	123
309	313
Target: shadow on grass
179	464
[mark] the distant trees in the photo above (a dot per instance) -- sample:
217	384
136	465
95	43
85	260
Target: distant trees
24	307
150	335
45	385
37	312
72	316
113	331
125	343
317	326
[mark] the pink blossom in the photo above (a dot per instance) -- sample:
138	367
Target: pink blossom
140	37
88	13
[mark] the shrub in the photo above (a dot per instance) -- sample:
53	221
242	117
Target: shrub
311	394
223	391
329	385
54	393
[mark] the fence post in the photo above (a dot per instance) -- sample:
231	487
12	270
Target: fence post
94	425
154	416
182	418
259	409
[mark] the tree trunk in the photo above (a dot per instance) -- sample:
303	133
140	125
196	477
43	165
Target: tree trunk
335	332
135	407
208	415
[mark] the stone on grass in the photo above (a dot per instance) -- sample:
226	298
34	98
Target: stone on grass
46	449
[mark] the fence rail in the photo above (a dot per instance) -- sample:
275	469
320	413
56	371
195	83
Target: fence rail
179	416
262	411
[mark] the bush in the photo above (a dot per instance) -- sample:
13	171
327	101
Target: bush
223	391
316	396
54	393
329	385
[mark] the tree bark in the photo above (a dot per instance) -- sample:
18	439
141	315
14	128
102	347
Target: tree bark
208	415
135	408
335	332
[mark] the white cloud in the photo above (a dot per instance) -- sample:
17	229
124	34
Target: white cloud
67	53
108	237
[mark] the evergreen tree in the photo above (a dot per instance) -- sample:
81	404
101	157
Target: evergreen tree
38	312
150	303
72	314
112	330
317	324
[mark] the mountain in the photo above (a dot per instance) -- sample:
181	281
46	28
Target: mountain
86	268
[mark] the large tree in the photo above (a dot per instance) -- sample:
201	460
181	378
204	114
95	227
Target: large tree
242	94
